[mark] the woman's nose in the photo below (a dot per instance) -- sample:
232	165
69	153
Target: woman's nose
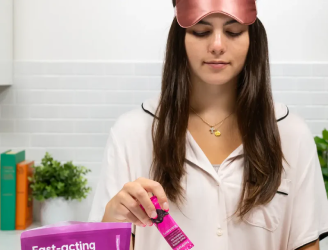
217	43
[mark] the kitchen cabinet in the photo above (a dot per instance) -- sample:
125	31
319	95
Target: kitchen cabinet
6	42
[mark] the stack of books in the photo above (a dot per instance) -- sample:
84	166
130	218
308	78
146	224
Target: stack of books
16	201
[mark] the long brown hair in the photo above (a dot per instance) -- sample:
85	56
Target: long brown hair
262	156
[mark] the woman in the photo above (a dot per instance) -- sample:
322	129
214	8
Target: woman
234	169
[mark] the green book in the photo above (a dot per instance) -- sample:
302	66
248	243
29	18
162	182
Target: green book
9	160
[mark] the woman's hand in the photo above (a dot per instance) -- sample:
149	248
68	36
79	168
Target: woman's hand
125	205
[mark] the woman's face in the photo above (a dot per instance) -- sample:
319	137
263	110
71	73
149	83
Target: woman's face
216	37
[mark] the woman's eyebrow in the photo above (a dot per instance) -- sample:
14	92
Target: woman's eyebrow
208	23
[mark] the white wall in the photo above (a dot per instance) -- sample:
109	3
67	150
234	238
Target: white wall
137	30
91	30
79	64
297	29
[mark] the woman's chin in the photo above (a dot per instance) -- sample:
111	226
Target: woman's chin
216	81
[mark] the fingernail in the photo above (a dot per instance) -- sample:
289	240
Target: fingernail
166	207
143	225
150	223
153	215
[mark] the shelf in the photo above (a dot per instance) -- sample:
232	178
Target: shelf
11	239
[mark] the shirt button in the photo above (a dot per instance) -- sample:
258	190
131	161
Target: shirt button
219	232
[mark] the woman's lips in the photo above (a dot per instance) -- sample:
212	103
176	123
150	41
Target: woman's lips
217	65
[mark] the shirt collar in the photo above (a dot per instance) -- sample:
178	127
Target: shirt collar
194	153
150	106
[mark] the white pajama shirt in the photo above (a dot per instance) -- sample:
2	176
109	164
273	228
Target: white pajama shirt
297	215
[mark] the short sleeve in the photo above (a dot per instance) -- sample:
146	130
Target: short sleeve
114	174
310	207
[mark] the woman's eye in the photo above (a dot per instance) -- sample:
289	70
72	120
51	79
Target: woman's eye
200	34
234	34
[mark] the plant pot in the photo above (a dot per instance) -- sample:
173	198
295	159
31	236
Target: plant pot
56	210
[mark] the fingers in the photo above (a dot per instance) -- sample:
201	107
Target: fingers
129	217
157	189
137	191
133	206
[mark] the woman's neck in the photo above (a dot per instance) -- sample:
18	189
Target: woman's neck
213	102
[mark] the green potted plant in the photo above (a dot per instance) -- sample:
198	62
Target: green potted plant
56	186
322	148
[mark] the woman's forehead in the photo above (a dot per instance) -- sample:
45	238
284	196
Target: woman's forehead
217	18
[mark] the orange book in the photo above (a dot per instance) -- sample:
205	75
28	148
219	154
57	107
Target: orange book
24	199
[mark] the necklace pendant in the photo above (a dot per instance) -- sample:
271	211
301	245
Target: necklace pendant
212	130
217	133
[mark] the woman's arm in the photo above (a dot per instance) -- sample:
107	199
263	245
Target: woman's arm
309	218
312	246
118	198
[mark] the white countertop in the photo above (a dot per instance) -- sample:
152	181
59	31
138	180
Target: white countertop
11	239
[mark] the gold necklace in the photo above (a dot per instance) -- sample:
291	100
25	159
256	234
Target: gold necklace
212	130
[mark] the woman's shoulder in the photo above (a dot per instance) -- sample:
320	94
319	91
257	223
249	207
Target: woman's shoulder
289	121
292	127
137	121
